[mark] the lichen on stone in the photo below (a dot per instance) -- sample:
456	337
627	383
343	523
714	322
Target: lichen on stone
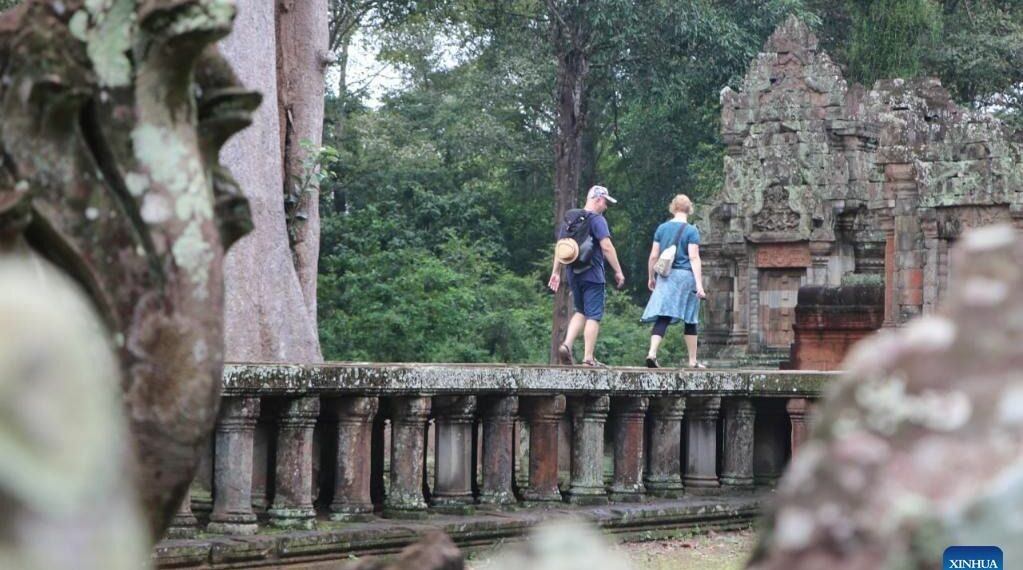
192	252
107	28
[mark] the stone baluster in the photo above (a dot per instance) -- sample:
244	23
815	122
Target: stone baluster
663	477
627	415
184	524
202	485
353	481
737	471
261	461
589	413
544	414
498	450
232	470
408	447
770	438
453	465
797	409
701	436
293	476
378	458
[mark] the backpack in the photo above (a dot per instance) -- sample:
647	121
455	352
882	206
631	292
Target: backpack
577	227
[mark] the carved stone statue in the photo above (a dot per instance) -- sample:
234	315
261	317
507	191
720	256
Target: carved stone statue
112	113
67	501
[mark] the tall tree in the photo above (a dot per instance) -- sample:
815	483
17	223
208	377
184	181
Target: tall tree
571	43
302	56
890	37
270	288
974	46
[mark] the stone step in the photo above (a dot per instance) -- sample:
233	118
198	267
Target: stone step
331	542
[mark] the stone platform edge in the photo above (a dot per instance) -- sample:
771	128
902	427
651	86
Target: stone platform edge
365	379
308	549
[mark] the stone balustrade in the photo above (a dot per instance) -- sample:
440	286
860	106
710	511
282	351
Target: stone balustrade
351	442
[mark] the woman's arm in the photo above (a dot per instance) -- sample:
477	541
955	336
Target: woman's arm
655	252
694	260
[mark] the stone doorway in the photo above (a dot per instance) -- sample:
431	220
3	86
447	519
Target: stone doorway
779	290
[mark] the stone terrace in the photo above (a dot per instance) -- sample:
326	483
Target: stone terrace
313	464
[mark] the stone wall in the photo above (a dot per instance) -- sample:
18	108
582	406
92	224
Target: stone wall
824	179
829	320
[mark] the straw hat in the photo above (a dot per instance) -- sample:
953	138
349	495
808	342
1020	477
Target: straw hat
566	250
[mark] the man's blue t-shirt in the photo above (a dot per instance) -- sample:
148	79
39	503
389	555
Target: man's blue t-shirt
665	235
599	231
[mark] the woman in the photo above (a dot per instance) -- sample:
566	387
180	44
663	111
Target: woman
675	297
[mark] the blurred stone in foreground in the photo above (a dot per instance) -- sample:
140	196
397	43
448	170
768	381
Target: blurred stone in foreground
67	499
921	446
564	544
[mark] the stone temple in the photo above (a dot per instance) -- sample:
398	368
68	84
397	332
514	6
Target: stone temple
829	184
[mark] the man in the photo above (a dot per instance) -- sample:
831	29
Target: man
588	286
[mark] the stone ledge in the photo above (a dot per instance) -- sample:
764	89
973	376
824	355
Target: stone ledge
397	379
333	543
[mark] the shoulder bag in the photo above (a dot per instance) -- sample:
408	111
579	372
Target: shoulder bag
664	261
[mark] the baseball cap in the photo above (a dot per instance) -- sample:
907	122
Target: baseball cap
600	192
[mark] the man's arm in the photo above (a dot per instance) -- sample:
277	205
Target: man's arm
555	281
612	257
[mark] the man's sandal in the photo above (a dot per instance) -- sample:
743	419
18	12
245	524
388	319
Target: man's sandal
565	356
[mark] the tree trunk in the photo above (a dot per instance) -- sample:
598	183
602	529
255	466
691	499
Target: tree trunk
569	35
266	313
301	57
590	138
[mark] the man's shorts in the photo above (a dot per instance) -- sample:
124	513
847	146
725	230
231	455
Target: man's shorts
588	298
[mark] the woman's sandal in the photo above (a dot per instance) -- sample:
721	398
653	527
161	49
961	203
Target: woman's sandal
698	366
651	362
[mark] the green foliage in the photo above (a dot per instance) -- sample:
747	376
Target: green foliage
978	56
461	161
437	214
451	305
973	46
890	37
315	170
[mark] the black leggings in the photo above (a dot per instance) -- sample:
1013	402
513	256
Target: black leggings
661	327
